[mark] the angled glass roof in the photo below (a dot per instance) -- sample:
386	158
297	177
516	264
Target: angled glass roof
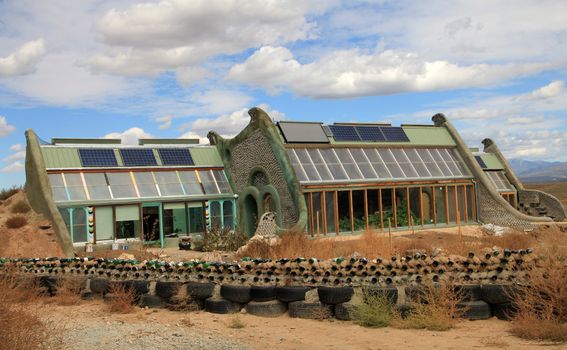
69	187
500	181
340	165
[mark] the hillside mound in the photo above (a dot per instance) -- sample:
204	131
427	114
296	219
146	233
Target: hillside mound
34	239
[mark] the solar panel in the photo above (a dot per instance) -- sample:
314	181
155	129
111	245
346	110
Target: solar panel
100	157
370	133
344	133
480	162
175	156
138	157
394	134
302	132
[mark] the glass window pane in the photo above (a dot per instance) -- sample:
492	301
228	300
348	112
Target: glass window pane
319	163
470	195
190	183
168	183
66	218
333	164
440	208
391	164
174	220
196	218
307	165
222	181
451	201
75	187
79	225
208	182
215	214
330	211
404	162
228	214
146	184
429	162
97	186
363	163
317	213
296	166
121	185
457	160
344	211
127	221
58	187
377	163
441	163
417	163
348	163
450	162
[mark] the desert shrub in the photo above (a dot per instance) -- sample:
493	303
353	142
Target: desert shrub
375	311
68	291
542	303
437	309
20	207
6	193
122	300
223	239
16	221
236	323
21	326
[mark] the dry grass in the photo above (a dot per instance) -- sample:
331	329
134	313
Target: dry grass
236	323
436	311
68	291
542	304
122	300
375	312
20	207
16	221
22	326
6	193
373	245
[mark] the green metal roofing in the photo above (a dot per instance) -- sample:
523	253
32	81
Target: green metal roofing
491	161
55	158
206	156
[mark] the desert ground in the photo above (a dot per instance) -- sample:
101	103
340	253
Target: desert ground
88	324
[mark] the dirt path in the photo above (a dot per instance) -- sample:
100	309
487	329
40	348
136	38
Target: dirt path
91	326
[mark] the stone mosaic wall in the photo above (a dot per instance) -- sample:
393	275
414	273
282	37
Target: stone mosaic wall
492	212
531	201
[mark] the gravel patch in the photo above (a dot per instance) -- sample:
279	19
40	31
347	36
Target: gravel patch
127	336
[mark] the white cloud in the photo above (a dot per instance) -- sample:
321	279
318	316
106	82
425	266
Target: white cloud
165	121
130	136
227	125
13	168
148	38
17	147
552	89
5	128
24	60
18	155
190	75
352	73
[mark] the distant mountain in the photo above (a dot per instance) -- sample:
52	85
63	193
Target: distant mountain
539	171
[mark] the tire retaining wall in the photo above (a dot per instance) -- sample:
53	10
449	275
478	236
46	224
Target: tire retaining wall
269	288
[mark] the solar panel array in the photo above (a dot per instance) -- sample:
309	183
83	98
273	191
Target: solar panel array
175	156
316	165
368	133
138	157
100	157
303	132
480	162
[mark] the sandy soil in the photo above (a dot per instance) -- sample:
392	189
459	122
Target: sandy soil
30	240
288	333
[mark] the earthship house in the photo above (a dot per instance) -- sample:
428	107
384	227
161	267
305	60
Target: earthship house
319	179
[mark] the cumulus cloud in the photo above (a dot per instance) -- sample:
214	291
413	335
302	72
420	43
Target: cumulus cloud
129	136
352	73
5	128
148	38
24	60
552	89
189	75
165	122
19	153
227	125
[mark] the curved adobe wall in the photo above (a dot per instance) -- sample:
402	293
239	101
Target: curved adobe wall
492	208
257	165
38	192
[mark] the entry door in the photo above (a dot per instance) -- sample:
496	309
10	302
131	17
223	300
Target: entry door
151	223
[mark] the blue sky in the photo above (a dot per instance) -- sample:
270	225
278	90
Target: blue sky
175	68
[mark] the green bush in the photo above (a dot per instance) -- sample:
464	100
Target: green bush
376	311
20	207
